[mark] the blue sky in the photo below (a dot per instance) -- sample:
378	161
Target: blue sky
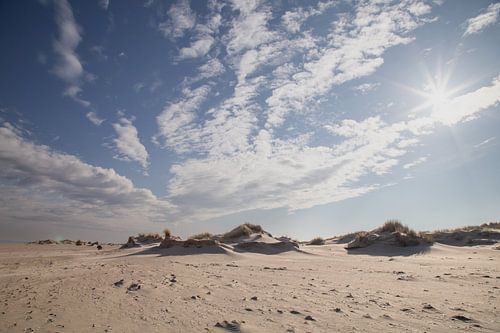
318	119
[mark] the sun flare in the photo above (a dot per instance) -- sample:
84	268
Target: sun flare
438	99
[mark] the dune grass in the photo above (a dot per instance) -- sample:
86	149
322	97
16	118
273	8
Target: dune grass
150	237
396	225
316	241
167	233
203	235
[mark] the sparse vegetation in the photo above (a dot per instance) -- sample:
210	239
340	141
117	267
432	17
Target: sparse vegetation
203	235
151	237
78	243
396	225
317	241
361	236
167	233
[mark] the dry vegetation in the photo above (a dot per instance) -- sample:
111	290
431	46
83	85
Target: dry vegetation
151	237
396	225
316	241
167	233
203	235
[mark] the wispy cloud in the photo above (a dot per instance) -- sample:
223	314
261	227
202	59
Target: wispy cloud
293	19
366	87
485	142
413	164
180	19
478	23
92	116
205	34
128	145
68	66
176	122
236	158
295	174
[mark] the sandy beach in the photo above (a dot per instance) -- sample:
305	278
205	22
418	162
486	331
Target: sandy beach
68	288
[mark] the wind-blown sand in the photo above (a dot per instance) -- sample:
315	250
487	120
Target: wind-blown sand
67	288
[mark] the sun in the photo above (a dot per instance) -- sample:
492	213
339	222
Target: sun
438	98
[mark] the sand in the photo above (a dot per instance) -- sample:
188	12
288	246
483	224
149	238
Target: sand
68	288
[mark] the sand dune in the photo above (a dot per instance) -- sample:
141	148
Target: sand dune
240	285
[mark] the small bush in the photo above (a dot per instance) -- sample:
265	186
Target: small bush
395	225
203	235
78	243
317	241
167	233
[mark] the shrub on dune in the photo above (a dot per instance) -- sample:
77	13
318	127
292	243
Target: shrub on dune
317	241
395	225
151	237
167	233
203	235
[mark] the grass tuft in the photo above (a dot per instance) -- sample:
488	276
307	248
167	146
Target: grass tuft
316	241
200	236
167	233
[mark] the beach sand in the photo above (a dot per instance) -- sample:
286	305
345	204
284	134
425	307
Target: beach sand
68	288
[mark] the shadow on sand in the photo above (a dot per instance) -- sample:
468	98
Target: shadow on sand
266	248
390	250
181	251
250	247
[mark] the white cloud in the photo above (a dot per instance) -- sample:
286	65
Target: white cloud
68	66
366	87
269	173
94	118
204	37
238	155
293	19
177	119
467	106
197	49
249	29
180	19
211	68
413	164
485	142
40	184
478	23
128	145
355	49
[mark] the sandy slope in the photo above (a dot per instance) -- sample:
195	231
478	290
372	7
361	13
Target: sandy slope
65	288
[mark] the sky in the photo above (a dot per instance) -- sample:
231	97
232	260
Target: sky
309	118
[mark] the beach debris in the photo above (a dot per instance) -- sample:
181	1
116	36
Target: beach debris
462	318
134	287
232	326
119	283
